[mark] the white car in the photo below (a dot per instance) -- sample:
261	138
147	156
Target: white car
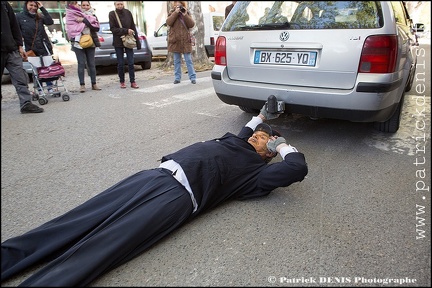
212	23
349	60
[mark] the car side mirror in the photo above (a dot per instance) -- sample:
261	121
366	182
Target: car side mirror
155	33
419	27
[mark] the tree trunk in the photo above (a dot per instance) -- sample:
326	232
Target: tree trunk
199	55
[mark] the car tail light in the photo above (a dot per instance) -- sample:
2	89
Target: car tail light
379	54
101	39
220	51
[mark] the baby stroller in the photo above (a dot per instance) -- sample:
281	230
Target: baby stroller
46	69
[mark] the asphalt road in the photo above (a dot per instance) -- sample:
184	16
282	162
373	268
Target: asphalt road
360	218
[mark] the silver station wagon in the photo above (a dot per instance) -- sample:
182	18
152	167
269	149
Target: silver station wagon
348	60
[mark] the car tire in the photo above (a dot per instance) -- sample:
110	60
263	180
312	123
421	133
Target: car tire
410	79
392	124
146	65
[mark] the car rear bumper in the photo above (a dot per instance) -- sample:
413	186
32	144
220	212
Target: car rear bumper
109	59
341	104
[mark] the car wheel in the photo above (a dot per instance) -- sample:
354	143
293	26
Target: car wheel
410	79
146	65
248	110
392	124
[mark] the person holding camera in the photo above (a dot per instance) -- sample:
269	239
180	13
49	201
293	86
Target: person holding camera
179	22
126	219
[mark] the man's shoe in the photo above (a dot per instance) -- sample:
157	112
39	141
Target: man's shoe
82	88
31	108
95	87
176	81
193	81
134	85
122	85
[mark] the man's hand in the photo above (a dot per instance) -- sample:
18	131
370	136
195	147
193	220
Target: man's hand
273	143
266	115
22	53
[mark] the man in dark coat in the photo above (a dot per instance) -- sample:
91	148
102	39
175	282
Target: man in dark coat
121	222
12	54
127	26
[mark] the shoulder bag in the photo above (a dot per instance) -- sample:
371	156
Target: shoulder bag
192	39
129	41
31	53
86	41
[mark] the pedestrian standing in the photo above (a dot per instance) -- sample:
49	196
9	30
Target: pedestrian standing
123	221
12	55
127	26
229	8
82	21
179	22
32	27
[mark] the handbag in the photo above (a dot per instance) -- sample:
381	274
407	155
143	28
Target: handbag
52	71
30	53
129	41
86	41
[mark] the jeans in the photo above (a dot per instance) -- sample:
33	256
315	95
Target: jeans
189	65
13	62
120	66
84	56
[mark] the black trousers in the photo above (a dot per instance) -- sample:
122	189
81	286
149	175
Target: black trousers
102	233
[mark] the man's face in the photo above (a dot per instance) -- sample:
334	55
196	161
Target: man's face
259	141
119	5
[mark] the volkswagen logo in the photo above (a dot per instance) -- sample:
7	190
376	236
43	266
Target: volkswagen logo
284	36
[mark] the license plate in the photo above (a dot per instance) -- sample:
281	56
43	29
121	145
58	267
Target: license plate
297	58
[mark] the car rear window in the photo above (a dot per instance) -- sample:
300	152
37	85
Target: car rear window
105	28
295	15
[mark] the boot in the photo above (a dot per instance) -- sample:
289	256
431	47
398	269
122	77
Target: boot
82	88
95	87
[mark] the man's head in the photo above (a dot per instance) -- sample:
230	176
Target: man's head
262	134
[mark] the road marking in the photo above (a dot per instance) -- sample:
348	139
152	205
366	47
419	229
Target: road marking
188	96
170	85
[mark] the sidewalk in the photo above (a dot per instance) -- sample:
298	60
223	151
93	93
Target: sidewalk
65	54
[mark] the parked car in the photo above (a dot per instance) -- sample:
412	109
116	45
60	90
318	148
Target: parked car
349	60
106	56
27	68
212	24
